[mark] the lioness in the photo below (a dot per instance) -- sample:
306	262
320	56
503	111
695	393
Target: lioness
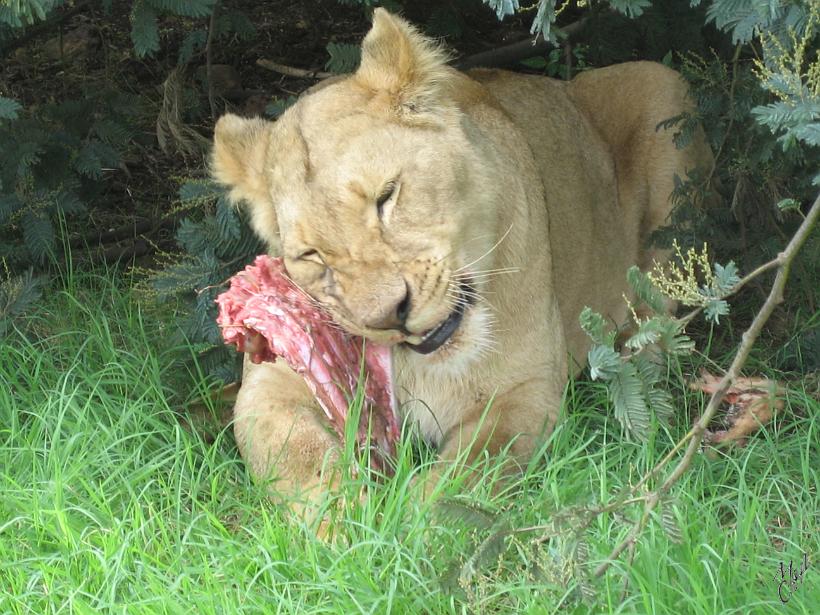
465	218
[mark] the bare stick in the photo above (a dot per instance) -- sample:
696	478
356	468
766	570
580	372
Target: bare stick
292	71
783	262
501	56
209	59
516	52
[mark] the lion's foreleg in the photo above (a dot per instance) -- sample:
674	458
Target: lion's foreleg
282	435
506	430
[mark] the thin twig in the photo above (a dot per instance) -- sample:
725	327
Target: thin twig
516	52
695	436
501	56
209	59
292	71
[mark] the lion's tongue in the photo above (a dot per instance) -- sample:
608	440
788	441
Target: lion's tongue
379	361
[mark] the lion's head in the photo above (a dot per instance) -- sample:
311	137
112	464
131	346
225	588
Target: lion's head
370	188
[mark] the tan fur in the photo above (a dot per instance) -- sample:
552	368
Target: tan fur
561	181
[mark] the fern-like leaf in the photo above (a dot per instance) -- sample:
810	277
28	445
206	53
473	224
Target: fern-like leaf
185	8
344	58
595	327
604	362
9	108
144	29
227	221
197	192
9	205
18	294
645	290
631	411
467	513
714	309
279	106
38	235
649	331
88	163
630	8
673	341
726	278
193	43
670	523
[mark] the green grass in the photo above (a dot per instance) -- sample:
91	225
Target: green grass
107	504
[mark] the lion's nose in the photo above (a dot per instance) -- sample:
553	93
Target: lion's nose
395	315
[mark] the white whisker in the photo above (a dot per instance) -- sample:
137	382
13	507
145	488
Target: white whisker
495	245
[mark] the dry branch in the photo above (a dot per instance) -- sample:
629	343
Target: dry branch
516	52
695	435
292	71
501	56
209	45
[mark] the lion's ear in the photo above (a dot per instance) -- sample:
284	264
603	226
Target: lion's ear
401	62
238	157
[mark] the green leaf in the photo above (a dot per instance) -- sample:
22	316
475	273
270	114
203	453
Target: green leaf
604	362
785	205
199	191
714	309
144	29
69	203
186	275
630	8
279	106
344	58
191	44
544	18
486	553
649	331
227	221
205	316
9	108
9	205
645	290
467	513
111	131
503	8
235	23
535	63
38	235
595	327
28	155
193	236
88	163
726	278
626	392
658	399
186	8
672	340
670	523
18	294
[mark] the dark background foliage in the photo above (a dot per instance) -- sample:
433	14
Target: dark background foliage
106	110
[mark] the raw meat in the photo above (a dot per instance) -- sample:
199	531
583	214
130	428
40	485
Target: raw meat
265	314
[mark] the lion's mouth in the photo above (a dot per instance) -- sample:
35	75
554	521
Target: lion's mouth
436	337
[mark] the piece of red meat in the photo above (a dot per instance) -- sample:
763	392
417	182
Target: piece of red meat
263	301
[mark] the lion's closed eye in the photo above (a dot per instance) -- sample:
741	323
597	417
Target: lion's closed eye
387	199
311	255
